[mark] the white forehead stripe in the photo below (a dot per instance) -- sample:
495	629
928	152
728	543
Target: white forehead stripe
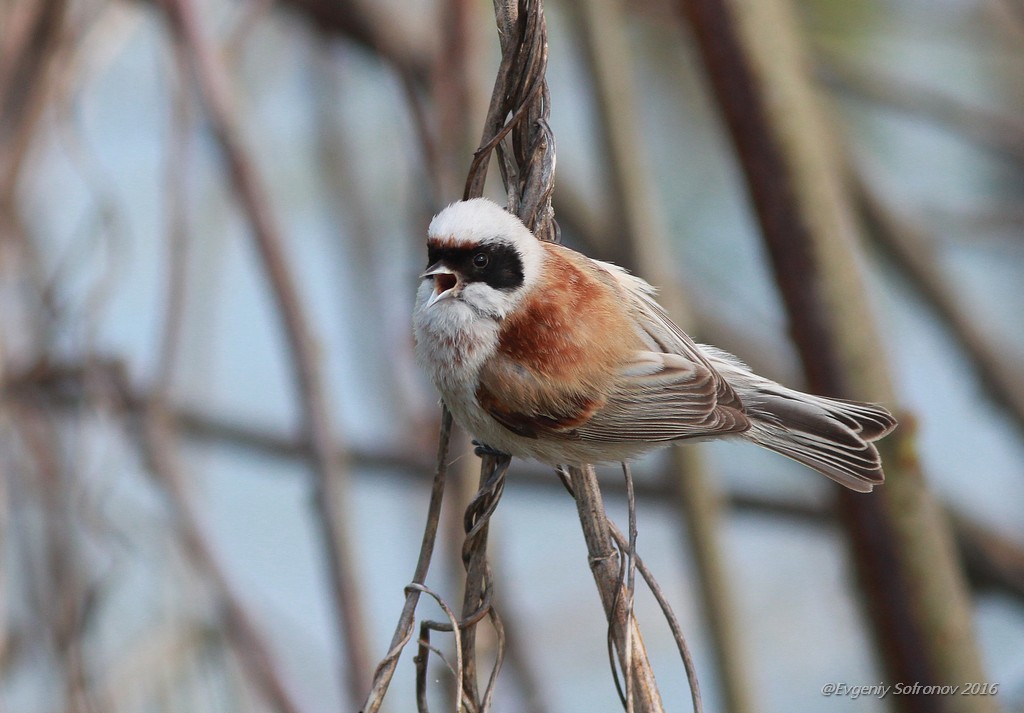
478	221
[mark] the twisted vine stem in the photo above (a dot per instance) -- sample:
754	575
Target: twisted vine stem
517	129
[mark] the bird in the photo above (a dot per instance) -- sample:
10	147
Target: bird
541	352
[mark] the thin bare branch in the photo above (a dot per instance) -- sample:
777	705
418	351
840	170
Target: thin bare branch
247	642
421	659
604	565
64	593
630	588
331	481
519	109
348	19
5	559
177	243
452	92
478	591
403	632
641	242
914	253
27	74
670	617
1002	135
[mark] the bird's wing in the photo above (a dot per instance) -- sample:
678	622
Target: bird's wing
663	397
653	397
661	333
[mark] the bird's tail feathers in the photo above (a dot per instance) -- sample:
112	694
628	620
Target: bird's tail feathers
832	436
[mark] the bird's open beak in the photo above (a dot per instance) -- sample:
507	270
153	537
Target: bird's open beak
445	282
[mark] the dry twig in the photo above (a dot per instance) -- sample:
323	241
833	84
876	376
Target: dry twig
1001	135
899	539
670	617
458	670
403	632
332	477
246	640
914	253
605	566
641	243
477	596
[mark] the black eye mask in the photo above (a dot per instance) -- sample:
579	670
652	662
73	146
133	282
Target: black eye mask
498	265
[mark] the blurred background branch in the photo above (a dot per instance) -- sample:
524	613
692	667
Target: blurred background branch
163	400
330	499
912	585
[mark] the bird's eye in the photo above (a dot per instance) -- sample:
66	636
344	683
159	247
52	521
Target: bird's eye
480	261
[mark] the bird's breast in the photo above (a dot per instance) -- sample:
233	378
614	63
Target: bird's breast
452	342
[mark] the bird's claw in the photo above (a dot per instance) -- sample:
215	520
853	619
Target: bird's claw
482	449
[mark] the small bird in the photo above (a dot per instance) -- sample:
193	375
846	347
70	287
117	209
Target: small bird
541	352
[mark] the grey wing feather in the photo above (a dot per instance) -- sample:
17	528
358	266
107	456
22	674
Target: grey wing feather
668	393
661	332
830	435
662	397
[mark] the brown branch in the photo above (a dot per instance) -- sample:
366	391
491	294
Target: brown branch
63	597
422	657
346	18
331	481
34	47
478	591
914	253
177	243
386	668
246	641
988	556
1000	134
670	617
7	648
519	109
992	560
643	245
452	91
630	579
916	598
605	566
